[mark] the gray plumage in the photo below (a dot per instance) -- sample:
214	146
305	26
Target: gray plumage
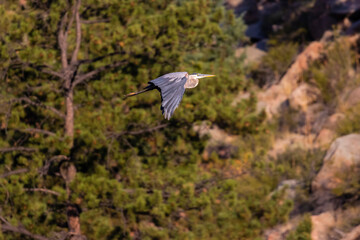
172	88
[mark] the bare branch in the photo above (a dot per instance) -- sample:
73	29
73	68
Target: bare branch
138	132
45	69
36	130
44	190
17	171
19	149
38	104
71	21
78	32
6	227
83	77
62	41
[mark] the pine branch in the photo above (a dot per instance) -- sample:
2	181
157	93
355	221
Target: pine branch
44	68
18	149
52	72
7	227
17	171
44	190
36	130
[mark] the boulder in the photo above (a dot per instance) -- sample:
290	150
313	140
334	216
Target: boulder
304	95
321	225
333	120
280	232
325	137
327	133
290	186
354	98
272	100
239	97
252	53
342	156
219	141
291	141
234	3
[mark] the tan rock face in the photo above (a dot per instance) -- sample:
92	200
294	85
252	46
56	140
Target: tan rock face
302	96
353	98
333	120
321	225
280	232
273	99
219	141
253	54
325	137
291	141
327	133
342	156
290	80
234	3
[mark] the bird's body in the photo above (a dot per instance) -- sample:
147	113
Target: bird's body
172	87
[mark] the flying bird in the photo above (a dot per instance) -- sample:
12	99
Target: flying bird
172	87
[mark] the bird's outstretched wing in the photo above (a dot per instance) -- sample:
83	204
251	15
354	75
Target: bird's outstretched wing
171	87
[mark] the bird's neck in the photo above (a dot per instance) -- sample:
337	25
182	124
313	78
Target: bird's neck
191	83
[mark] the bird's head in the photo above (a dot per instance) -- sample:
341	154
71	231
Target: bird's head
200	75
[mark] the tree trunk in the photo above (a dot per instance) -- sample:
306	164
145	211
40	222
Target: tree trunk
69	118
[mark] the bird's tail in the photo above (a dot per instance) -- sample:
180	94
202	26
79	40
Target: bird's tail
148	88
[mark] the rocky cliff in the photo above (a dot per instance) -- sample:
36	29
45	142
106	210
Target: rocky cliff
315	103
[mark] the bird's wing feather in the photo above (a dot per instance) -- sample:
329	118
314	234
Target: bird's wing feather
172	89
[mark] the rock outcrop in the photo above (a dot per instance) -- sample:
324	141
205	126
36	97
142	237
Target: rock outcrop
273	99
354	98
342	157
303	96
321	224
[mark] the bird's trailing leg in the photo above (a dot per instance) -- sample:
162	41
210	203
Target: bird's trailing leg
148	88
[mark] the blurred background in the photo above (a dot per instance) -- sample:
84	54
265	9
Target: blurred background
268	149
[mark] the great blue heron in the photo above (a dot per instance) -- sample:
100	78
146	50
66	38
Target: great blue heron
172	87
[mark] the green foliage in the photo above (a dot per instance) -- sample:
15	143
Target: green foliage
349	185
302	231
333	73
280	57
299	164
276	62
350	123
